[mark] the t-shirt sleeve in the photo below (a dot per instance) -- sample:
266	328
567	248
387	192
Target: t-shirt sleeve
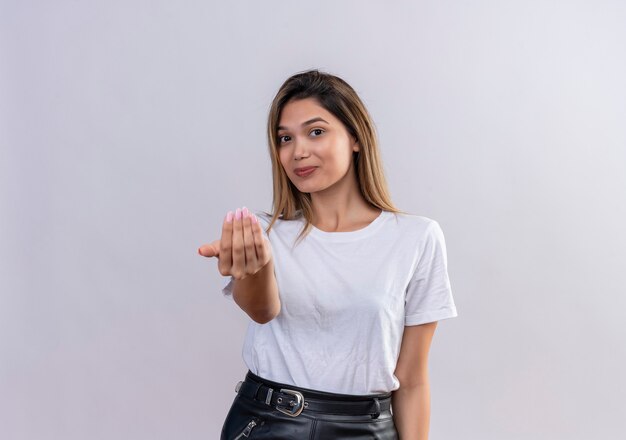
428	294
228	282
227	287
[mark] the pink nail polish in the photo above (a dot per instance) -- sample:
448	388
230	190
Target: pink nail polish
229	217
254	219
245	213
238	214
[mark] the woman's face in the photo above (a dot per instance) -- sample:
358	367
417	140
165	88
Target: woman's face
311	136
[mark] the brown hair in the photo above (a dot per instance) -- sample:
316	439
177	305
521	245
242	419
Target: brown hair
340	99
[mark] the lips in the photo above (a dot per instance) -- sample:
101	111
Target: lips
304	171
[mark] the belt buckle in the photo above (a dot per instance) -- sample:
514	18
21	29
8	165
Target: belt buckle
297	407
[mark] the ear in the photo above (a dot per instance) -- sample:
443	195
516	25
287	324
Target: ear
355	145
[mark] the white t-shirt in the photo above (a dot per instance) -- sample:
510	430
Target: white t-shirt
345	299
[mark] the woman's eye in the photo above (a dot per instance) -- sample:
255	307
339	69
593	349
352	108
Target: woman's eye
280	139
317	130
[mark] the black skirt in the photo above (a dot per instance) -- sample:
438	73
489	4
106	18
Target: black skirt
263	409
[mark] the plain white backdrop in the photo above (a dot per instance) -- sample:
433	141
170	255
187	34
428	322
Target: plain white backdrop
129	128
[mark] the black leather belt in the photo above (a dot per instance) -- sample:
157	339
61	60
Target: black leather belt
293	401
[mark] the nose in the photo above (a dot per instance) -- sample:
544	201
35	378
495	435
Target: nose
300	149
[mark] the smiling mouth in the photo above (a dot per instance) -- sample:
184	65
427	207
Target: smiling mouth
305	173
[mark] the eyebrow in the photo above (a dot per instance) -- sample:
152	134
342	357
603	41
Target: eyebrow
310	121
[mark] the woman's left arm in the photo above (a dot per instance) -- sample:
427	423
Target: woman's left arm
411	402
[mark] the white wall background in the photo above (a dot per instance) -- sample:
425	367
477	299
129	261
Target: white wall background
129	128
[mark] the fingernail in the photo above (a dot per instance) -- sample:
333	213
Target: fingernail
244	212
254	219
238	214
229	217
200	253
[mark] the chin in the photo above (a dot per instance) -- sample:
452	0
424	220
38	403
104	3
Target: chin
305	188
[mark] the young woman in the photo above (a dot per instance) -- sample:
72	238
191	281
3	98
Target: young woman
344	290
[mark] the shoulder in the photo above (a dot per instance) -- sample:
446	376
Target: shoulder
416	225
265	217
280	226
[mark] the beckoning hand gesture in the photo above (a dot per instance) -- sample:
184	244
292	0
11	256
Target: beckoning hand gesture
242	250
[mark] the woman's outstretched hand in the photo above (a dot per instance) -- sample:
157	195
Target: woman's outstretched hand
242	250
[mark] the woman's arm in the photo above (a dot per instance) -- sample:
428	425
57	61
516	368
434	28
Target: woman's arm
257	294
411	402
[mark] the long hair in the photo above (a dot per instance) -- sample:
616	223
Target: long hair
340	99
